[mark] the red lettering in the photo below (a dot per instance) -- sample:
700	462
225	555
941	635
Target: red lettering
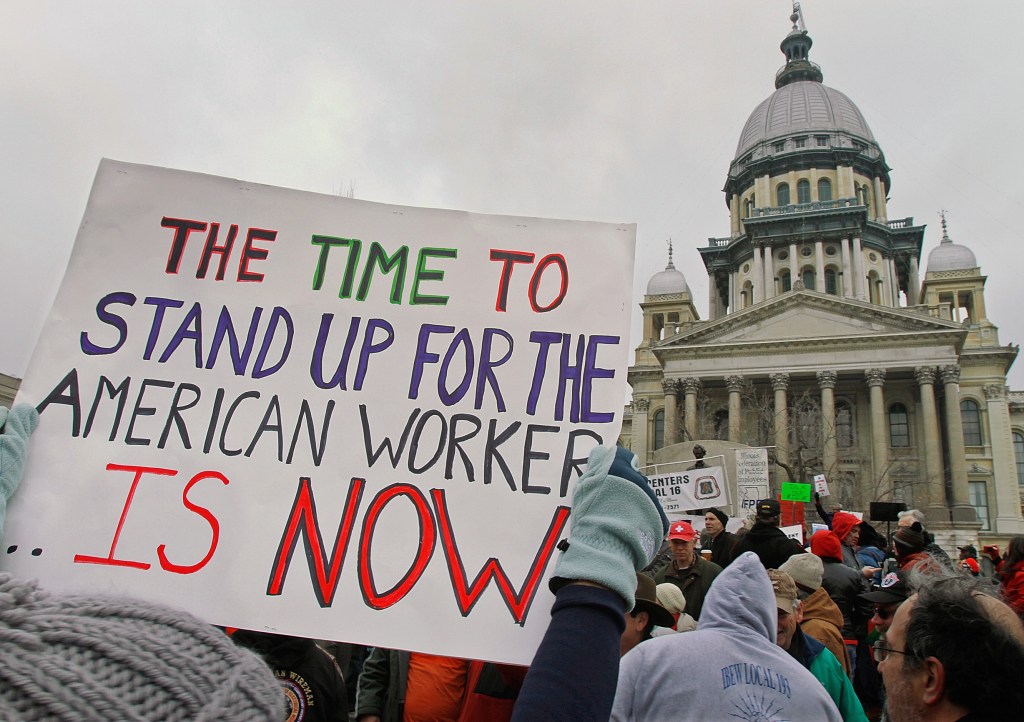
303	520
109	560
203	512
559	260
252	253
467	593
424	550
181	228
509	259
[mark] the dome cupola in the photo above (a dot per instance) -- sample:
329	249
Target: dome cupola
668	281
950	256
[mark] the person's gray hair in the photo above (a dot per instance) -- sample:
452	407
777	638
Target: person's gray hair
916	513
958	620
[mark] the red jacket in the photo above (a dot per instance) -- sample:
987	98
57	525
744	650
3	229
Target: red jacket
1013	587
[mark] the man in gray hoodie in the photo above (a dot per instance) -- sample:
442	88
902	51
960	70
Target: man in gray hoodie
730	668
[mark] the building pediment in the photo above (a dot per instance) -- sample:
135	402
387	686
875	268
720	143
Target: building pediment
802	317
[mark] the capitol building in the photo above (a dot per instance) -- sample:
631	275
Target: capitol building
829	340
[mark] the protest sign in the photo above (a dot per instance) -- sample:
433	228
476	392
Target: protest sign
693	489
820	485
795	532
751	476
796	491
317	415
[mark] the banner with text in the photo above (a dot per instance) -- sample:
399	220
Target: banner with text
317	415
693	489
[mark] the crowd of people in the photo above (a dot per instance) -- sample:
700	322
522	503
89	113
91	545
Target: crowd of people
651	621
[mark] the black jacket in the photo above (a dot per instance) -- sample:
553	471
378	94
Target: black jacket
844	586
772	547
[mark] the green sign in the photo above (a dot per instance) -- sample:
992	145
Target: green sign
794	491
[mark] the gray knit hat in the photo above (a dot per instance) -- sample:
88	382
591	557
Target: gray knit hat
78	657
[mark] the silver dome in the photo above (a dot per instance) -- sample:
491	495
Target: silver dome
951	256
668	281
802	107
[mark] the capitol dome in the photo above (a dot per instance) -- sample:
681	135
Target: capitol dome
804	123
803	107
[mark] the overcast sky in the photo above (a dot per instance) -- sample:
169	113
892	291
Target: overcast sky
596	110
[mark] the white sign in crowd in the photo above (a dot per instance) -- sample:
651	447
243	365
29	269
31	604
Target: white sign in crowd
318	415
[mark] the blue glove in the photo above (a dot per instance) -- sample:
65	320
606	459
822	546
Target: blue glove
617	525
16	425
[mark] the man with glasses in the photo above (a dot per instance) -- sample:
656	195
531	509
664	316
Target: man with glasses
952	652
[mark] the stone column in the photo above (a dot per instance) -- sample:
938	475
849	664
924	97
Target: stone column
931	447
859	279
879	437
780	384
880	213
794	265
894	282
671	387
827	383
1006	517
641	439
847	269
769	273
735	386
732	293
758	269
712	297
691	387
819	267
961	508
914	294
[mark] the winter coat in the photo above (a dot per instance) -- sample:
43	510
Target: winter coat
772	547
1013	587
722	548
824	622
732	662
382	684
694	582
825	668
845	587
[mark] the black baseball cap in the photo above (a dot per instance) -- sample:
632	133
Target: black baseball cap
894	589
768	508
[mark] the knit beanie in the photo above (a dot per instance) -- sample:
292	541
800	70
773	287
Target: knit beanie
910	539
78	657
671	597
806	570
722	516
842	523
826	545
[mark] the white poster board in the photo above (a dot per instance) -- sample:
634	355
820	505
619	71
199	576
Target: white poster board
821	485
751	477
317	415
795	532
692	489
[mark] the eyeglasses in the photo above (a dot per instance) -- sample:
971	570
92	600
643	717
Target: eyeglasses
884	613
882	653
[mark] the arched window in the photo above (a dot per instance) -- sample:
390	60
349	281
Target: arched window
803	191
830	281
782	194
785	282
899	426
659	429
970	417
844	424
808	278
824	189
1018	452
747	295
